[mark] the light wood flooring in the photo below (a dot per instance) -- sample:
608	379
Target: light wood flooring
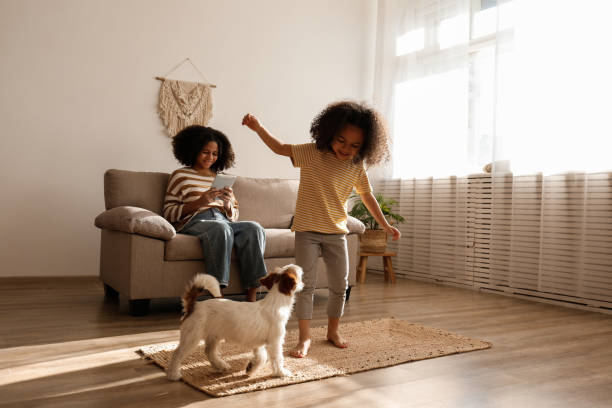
63	345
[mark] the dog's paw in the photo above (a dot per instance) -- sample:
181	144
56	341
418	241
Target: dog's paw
283	372
251	368
174	376
221	367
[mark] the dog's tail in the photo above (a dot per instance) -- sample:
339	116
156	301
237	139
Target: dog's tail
199	283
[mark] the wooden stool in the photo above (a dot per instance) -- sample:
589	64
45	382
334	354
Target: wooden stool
363	263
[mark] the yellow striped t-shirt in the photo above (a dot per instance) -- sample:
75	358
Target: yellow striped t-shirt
325	185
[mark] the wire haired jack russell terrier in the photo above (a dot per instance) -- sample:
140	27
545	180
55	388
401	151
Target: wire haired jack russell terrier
256	325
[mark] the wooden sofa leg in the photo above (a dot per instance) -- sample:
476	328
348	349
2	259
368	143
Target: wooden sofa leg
139	307
348	293
110	293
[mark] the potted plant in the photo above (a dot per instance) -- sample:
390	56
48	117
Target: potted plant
374	239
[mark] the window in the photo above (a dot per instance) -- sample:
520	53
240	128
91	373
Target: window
476	81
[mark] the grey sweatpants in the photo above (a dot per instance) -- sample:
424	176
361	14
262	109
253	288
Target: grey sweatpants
308	246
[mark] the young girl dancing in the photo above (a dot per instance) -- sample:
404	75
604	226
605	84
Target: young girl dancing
346	136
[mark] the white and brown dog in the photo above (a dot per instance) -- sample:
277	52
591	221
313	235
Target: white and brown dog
256	325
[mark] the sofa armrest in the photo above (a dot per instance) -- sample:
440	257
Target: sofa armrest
354	225
136	220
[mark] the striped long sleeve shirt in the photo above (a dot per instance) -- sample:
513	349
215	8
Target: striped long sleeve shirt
186	185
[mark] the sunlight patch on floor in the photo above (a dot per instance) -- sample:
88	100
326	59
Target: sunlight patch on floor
33	362
108	385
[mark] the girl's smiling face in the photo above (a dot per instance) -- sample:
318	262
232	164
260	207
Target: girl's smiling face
207	157
347	143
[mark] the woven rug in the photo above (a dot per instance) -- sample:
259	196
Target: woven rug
372	344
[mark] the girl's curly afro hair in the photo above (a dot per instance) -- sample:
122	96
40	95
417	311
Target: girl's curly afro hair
188	143
336	116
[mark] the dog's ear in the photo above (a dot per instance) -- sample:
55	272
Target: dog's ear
269	280
288	282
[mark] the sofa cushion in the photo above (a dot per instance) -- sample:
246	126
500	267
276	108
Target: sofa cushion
269	201
280	243
135	220
135	188
354	225
183	247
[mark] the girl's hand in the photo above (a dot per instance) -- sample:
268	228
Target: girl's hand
227	196
209	196
251	122
393	231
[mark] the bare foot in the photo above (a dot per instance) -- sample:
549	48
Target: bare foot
337	340
301	350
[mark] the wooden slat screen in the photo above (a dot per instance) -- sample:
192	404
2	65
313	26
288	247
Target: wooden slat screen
544	237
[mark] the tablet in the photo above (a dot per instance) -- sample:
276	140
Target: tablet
223	180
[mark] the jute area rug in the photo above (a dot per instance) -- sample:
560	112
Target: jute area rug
372	344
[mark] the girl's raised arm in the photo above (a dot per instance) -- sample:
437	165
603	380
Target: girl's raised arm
273	143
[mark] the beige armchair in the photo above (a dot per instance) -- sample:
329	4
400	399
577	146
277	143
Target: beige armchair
142	257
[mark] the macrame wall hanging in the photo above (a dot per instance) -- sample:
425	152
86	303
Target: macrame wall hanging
183	103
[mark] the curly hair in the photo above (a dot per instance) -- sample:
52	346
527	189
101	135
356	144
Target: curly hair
189	142
336	116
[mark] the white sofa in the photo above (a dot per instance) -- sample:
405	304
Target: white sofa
142	257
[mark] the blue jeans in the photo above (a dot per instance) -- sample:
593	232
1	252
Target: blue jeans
218	236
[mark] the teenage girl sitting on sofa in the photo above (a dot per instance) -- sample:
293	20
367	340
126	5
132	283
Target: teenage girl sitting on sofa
194	207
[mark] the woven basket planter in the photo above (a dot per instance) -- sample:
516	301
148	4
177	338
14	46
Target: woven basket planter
373	241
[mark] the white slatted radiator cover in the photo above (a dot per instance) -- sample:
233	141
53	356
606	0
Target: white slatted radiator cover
543	237
435	236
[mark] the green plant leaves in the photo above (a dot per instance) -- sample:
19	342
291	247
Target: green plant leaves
360	211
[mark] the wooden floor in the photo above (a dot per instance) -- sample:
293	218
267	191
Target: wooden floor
63	345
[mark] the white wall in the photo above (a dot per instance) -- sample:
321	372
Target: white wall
79	96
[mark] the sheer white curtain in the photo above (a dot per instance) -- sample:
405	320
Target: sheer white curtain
469	82
525	85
